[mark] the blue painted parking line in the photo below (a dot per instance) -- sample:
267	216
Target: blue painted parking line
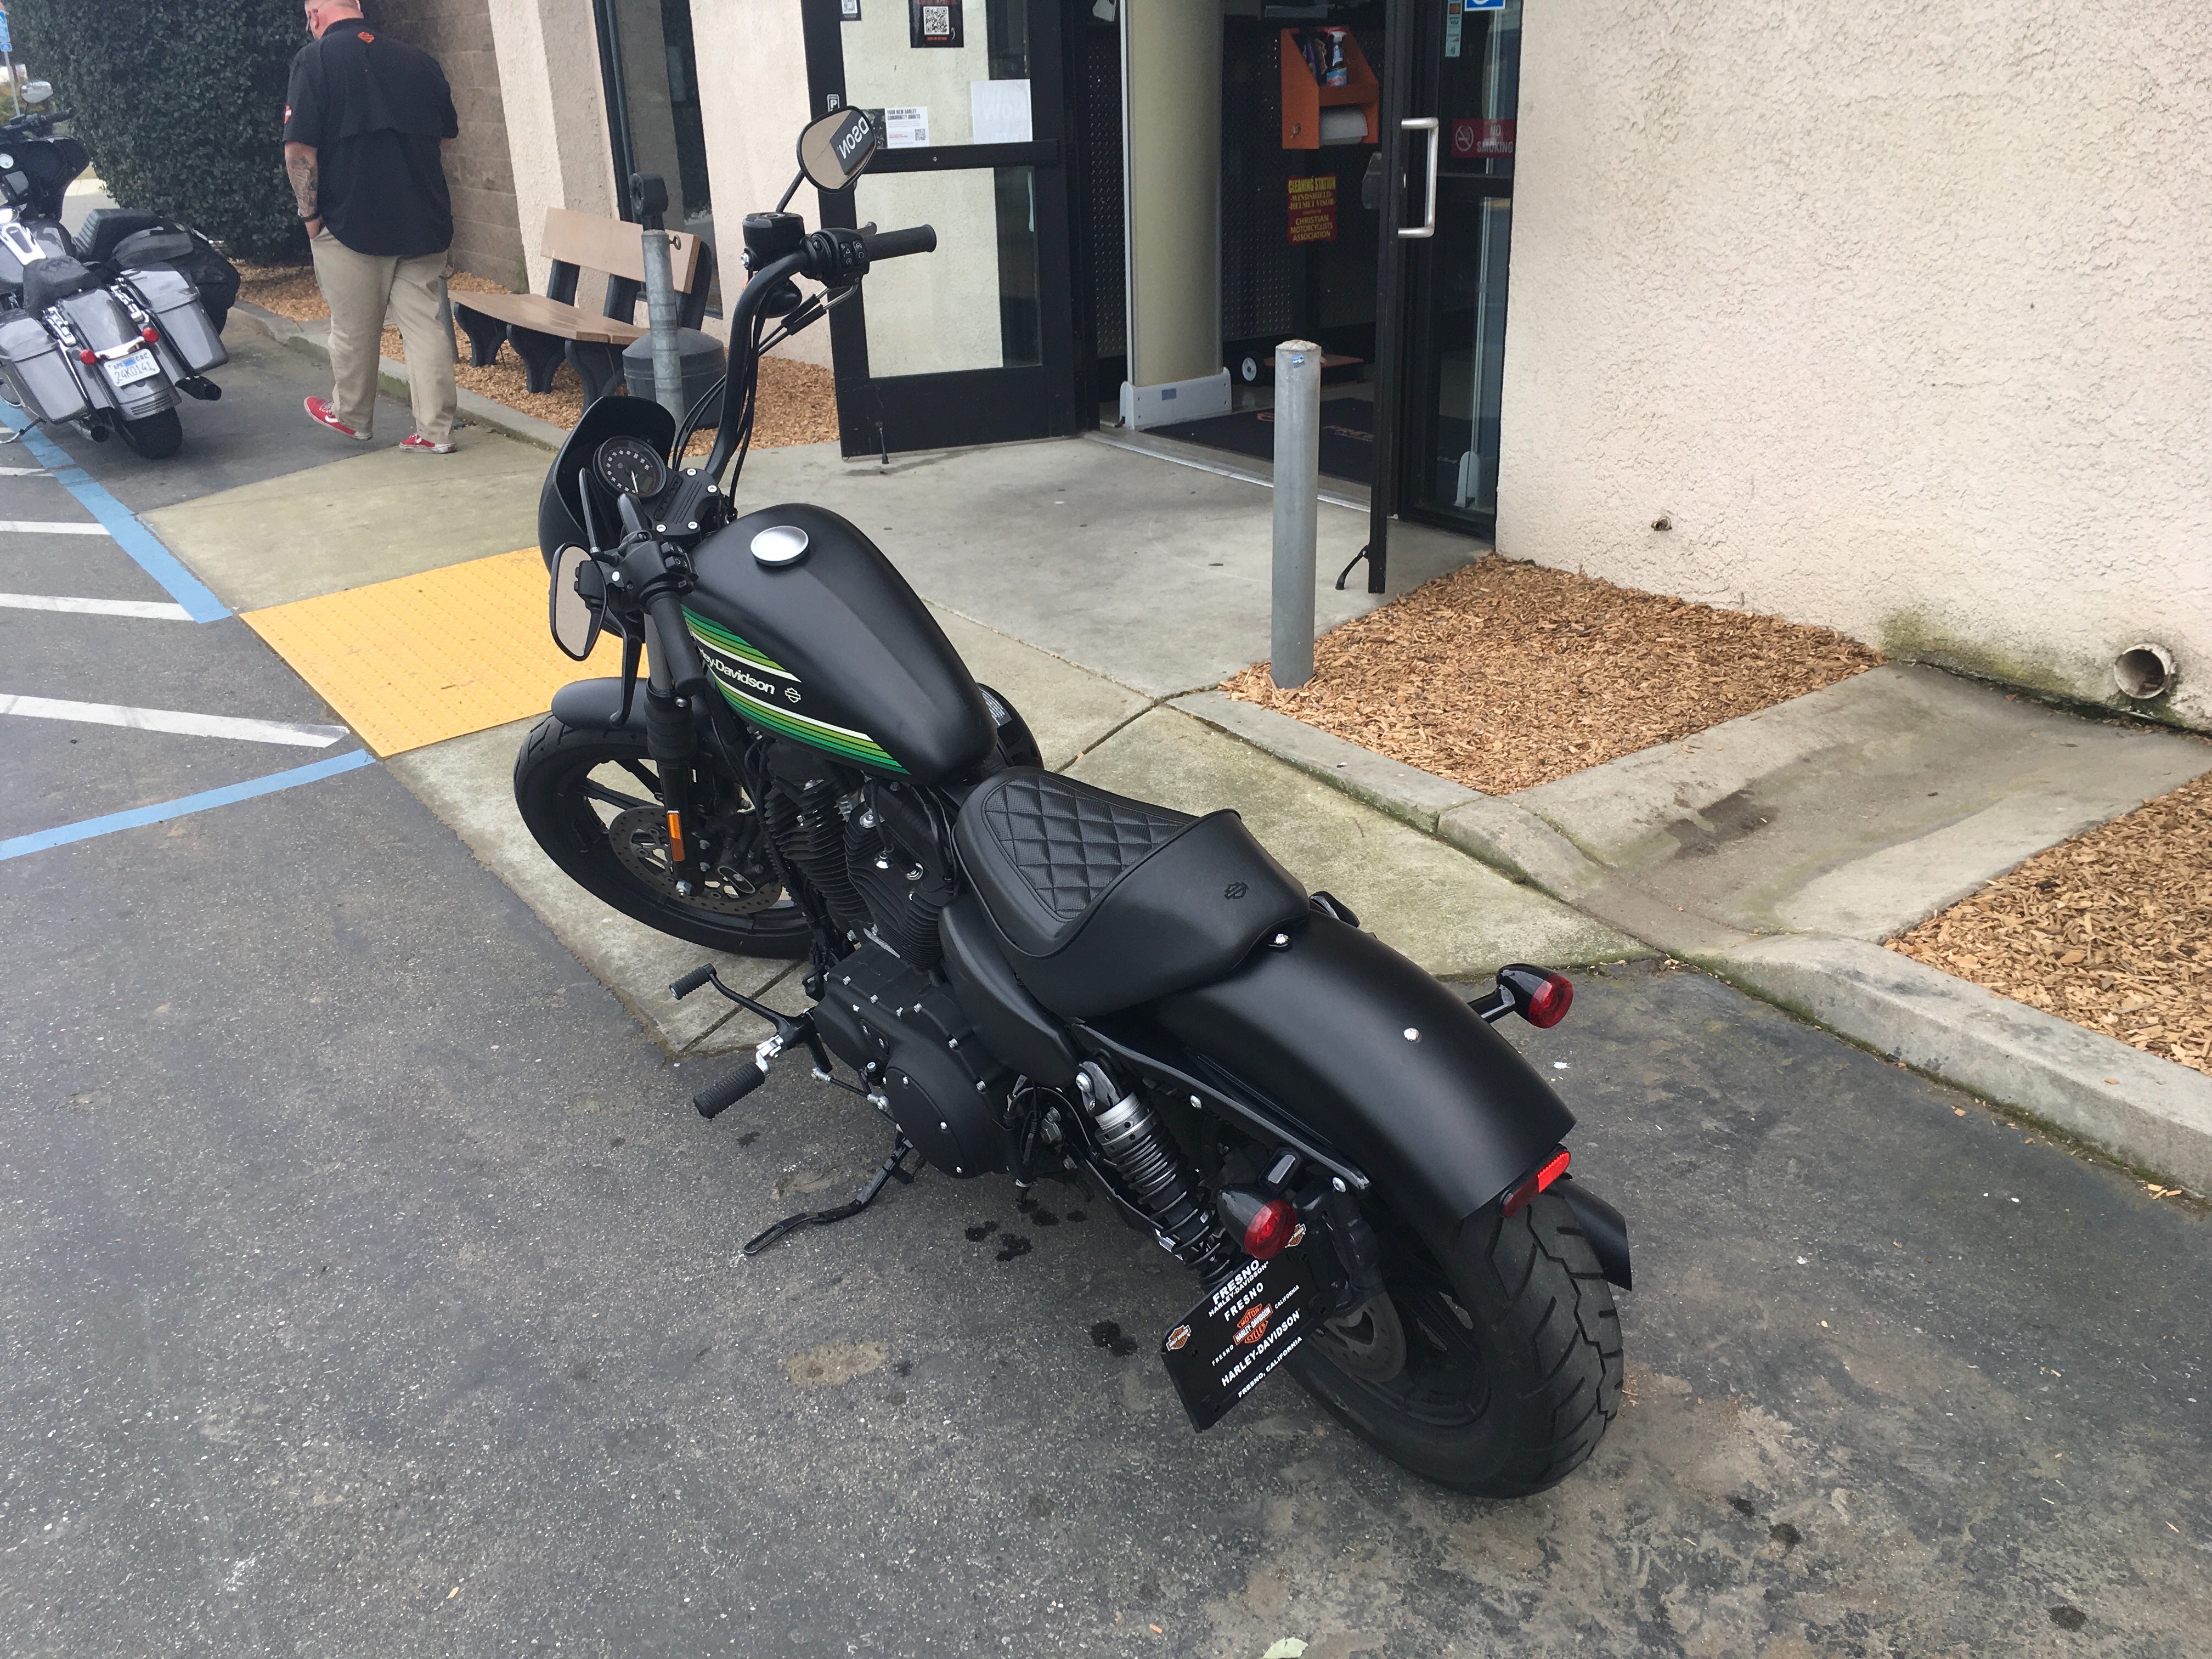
120	522
139	815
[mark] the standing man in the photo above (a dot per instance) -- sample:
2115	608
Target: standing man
365	119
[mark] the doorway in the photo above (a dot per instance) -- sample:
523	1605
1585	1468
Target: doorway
973	343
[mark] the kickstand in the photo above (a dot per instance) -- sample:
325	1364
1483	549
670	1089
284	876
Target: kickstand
1347	569
893	1169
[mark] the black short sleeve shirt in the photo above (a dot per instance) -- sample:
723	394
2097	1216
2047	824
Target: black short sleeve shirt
375	109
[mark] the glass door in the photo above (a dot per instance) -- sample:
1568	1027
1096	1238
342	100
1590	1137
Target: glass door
973	343
651	77
1467	73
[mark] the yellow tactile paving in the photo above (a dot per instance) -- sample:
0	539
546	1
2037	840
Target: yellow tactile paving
421	659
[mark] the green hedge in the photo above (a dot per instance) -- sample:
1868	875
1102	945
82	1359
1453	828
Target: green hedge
181	103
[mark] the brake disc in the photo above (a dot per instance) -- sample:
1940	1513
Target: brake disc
640	838
1368	1342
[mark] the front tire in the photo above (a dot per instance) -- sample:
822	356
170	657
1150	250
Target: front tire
155	437
587	797
1494	1366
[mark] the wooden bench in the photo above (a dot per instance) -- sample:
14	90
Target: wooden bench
546	330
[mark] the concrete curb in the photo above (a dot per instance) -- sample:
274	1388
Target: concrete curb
476	408
2146	1112
2142	1111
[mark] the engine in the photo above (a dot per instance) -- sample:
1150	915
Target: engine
878	852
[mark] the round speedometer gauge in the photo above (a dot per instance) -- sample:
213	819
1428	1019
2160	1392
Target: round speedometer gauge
629	466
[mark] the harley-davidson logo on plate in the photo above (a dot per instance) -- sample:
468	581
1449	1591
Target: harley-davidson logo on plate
1247	1325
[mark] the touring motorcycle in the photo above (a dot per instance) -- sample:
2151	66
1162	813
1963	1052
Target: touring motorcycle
102	331
1027	975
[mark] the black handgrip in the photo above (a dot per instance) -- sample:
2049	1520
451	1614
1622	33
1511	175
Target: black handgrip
691	981
897	244
718	1097
673	640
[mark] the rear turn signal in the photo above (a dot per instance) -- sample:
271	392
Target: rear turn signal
150	335
87	357
1549	1004
1549	1172
1265	1227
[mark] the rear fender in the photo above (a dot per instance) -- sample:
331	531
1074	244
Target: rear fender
1383	1063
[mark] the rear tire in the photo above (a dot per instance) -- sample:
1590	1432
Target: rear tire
156	437
1512	1354
554	789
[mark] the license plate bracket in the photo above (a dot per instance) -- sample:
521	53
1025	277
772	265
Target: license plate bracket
133	367
1246	1325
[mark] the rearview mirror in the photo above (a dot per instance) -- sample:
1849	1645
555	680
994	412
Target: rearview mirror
576	615
37	92
837	149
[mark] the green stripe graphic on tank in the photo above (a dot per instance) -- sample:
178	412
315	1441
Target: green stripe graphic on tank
714	634
839	740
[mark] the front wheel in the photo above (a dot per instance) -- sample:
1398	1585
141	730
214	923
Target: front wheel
591	798
156	436
1491	1364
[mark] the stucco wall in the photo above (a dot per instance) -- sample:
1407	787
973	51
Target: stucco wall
547	53
1900	314
479	172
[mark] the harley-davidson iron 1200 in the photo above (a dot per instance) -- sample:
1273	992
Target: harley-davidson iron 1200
1028	975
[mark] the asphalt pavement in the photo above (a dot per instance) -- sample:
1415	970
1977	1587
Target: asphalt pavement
374	1290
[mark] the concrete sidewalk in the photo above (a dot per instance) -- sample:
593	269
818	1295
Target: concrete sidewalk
1779	849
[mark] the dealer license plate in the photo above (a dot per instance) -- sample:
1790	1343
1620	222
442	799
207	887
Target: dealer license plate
1249	1324
129	371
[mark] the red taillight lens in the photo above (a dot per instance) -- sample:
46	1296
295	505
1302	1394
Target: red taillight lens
1553	1168
1551	1001
1272	1229
87	357
150	335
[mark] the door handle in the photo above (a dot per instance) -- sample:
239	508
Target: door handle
1430	125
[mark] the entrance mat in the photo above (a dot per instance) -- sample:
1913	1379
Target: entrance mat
1347	435
418	660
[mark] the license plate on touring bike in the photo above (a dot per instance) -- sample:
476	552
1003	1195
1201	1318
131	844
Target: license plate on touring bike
129	370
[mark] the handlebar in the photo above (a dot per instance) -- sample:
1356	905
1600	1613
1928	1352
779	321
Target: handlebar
644	572
897	244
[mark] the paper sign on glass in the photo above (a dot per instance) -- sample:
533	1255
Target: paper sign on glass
1001	109
907	129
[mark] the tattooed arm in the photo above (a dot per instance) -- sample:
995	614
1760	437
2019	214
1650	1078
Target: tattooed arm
300	168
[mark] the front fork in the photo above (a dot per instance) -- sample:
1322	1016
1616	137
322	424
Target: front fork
672	739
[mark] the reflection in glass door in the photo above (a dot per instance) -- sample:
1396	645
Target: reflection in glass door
652	76
1467	72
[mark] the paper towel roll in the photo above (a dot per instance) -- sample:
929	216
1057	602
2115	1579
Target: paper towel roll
1345	124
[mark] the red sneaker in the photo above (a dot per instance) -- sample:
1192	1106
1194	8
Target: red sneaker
422	446
320	411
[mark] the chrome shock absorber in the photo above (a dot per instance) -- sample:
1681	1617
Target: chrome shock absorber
1151	1172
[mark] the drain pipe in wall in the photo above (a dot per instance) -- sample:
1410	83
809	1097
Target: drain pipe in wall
1298	509
2143	671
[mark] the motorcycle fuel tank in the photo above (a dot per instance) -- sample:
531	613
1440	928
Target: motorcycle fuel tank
811	634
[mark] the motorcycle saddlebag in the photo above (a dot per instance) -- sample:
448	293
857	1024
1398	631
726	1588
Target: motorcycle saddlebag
175	303
156	245
40	376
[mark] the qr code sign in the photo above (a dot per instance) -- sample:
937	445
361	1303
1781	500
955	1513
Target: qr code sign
936	22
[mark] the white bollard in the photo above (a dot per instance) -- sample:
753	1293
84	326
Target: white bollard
1298	509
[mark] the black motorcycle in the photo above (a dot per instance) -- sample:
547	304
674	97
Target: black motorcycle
103	331
1028	975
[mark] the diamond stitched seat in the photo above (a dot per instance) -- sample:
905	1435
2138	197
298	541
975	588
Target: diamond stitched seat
1070	843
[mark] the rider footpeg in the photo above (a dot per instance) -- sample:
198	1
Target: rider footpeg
716	1098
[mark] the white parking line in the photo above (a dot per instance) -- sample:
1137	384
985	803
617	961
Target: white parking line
176	720
160	609
24	472
45	527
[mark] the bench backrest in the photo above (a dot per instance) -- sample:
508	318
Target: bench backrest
613	246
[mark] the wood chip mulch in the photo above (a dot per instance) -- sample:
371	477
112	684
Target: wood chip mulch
798	401
2112	930
1502	676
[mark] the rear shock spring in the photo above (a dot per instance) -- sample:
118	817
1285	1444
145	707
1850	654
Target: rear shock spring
1152	1173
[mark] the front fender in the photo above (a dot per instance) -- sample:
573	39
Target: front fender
1381	1061
595	703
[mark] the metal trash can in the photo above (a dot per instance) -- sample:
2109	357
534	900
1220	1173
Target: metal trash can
704	362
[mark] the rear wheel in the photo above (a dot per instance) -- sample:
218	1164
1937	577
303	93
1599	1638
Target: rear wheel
591	798
156	436
1491	1364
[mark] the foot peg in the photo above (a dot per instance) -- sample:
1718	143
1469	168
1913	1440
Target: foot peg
718	1097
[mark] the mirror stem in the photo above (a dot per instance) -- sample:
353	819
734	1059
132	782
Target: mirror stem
797	180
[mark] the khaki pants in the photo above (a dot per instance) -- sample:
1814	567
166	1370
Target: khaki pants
361	290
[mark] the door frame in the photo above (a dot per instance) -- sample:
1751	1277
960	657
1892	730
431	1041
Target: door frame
955	409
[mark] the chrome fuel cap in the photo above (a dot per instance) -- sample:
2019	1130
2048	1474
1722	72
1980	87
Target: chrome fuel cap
779	544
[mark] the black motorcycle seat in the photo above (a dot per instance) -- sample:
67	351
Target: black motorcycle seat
1105	902
47	280
105	227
